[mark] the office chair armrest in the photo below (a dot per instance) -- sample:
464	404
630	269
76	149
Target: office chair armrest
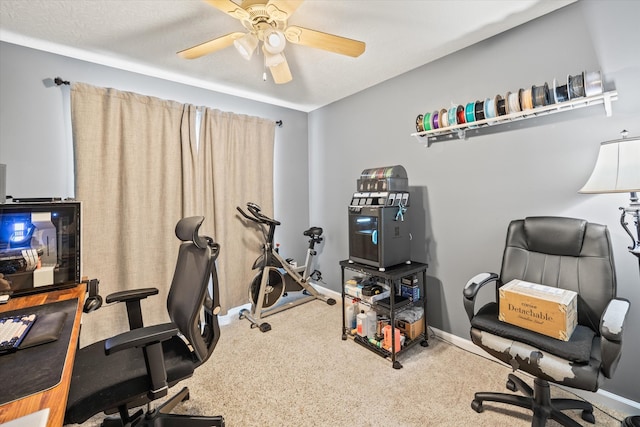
611	328
140	337
150	339
132	294
132	298
471	290
613	318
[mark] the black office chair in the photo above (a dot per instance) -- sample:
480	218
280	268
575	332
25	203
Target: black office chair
136	367
565	253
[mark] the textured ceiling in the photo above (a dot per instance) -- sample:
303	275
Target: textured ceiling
144	36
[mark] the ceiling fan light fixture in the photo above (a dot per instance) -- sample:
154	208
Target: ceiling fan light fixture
246	45
274	41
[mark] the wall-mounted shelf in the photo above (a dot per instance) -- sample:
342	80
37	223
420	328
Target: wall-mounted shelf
459	130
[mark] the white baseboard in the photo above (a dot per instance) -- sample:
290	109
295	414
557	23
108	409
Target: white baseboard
602	397
328	292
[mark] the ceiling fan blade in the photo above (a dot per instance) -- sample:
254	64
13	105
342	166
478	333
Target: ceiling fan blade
320	40
282	10
281	73
230	8
211	46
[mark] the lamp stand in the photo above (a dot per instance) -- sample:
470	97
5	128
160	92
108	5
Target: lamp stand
634	211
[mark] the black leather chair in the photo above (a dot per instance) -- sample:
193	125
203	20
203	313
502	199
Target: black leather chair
566	253
136	367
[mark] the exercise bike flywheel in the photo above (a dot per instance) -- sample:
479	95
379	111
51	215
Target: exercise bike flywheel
273	292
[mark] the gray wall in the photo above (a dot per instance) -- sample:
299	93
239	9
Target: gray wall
466	191
35	130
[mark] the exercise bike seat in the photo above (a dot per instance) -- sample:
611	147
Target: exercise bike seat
313	232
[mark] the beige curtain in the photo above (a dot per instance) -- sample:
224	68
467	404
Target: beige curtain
129	178
235	166
139	169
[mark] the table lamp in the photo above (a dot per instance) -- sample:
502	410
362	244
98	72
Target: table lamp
617	170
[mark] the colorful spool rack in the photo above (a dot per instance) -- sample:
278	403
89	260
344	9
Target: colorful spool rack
459	130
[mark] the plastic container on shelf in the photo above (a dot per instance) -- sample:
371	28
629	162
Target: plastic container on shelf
372	323
387	338
361	324
350	315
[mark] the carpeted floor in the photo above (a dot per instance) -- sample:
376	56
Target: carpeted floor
301	373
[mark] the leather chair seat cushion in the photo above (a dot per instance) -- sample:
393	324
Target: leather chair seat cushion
577	349
102	382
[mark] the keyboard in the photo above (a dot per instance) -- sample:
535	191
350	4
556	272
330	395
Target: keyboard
13	329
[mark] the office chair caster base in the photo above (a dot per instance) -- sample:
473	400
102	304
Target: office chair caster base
477	406
588	416
397	365
632	421
539	401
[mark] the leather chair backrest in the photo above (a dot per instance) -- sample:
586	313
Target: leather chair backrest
565	253
192	302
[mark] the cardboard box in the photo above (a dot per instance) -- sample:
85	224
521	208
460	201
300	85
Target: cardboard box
411	330
544	309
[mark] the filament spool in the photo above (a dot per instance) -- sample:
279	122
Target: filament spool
452	115
525	100
469	112
576	86
489	108
561	93
435	121
426	122
593	83
460	115
514	101
501	106
444	119
479	109
540	95
419	124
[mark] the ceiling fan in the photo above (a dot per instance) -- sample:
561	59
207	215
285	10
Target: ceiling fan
266	22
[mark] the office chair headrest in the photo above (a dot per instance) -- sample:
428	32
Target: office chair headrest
187	231
555	235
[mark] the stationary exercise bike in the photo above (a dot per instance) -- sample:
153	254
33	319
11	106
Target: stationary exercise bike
277	277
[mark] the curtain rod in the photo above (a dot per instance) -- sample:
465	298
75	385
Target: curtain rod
58	81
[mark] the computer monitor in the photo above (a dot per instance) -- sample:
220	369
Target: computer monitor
39	246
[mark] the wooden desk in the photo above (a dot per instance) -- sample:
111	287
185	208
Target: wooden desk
55	398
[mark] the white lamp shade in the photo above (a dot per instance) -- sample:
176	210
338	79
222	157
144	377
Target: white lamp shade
617	168
246	45
274	41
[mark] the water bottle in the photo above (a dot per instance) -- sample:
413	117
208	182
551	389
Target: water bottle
361	324
350	316
372	323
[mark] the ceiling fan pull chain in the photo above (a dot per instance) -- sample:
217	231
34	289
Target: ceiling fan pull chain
264	69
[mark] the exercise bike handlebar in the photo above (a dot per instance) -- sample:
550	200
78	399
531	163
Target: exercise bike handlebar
256	215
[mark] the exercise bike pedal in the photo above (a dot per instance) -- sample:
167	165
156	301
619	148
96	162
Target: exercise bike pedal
265	327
